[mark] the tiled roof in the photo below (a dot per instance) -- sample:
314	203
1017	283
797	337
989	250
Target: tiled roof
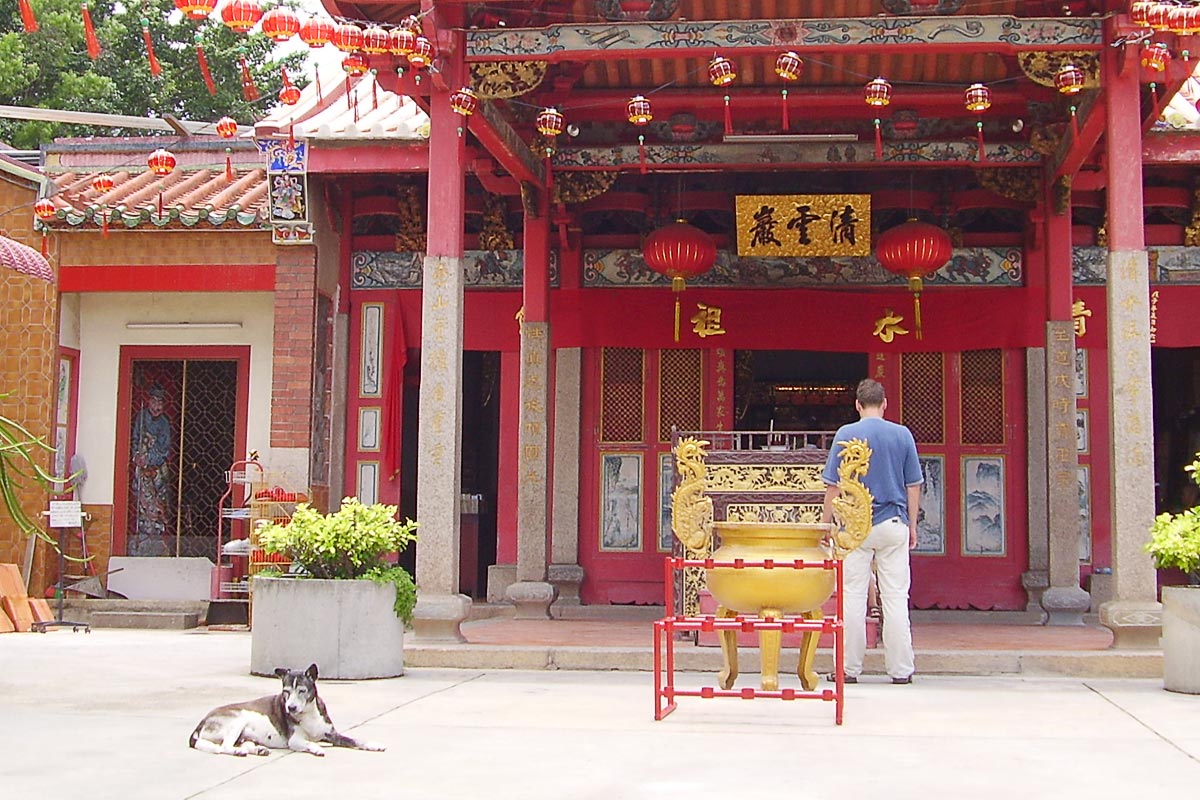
197	192
362	111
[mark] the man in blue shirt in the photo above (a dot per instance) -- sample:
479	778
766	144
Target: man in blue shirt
894	479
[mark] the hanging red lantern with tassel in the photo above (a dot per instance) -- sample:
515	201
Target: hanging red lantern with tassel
913	249
289	95
316	32
241	15
280	24
878	93
355	64
788	66
227	127
422	53
679	251
249	89
1156	57
550	122
102	183
375	40
347	37
89	33
638	110
401	41
721	71
1069	79
464	101
45	210
196	10
161	162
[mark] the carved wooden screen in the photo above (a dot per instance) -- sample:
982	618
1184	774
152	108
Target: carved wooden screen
982	393
622	377
923	396
679	392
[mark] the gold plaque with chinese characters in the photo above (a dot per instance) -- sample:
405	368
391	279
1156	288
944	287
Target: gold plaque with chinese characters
804	225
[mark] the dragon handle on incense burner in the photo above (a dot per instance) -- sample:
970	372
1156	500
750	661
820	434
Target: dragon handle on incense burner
852	507
691	511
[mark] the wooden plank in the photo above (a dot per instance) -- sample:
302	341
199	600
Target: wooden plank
40	610
6	624
17	609
11	582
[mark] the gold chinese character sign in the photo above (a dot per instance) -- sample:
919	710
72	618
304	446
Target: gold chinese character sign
804	225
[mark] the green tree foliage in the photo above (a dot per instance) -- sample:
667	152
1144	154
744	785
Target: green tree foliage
51	67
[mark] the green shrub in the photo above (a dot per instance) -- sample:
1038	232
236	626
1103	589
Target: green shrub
350	543
1175	538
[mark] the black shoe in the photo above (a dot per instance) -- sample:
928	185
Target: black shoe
902	681
832	678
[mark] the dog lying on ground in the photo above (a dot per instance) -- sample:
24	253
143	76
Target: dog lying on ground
294	719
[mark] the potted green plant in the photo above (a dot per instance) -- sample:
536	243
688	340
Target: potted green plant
1175	542
343	605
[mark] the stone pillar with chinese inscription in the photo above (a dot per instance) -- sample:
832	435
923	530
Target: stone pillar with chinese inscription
1036	579
564	571
532	593
440	607
1064	600
1133	615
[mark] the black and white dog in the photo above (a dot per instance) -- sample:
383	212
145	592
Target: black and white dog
294	719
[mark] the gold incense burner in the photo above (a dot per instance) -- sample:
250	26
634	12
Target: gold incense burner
780	591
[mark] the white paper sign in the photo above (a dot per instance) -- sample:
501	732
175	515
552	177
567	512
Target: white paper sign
66	513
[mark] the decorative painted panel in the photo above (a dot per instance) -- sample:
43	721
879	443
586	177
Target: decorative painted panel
666	485
367	486
621	502
976	266
1083	476
372	344
931	522
1081	373
496	269
368	429
1168	264
1081	431
983	506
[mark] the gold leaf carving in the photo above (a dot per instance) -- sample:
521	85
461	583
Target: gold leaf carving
1022	185
579	187
500	80
1040	66
494	234
410	233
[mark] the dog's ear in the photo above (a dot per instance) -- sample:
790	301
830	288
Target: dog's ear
280	672
311	672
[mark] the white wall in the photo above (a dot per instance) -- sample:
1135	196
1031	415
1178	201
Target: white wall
101	333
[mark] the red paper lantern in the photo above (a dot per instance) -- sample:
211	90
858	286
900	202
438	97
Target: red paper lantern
1156	57
289	95
721	71
375	40
1069	79
45	210
464	101
241	15
878	93
679	251
102	183
638	110
316	32
161	162
1138	11
913	249
1190	20
355	64
422	53
977	98
789	66
227	127
1157	15
401	41
550	122
280	24
347	37
196	9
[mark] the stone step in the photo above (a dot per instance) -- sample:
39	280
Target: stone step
169	620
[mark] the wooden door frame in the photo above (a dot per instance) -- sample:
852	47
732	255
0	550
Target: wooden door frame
187	352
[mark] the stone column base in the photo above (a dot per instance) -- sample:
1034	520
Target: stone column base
1136	624
1065	605
1035	582
566	579
532	599
437	617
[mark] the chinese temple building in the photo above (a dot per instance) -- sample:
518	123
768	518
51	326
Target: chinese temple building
528	242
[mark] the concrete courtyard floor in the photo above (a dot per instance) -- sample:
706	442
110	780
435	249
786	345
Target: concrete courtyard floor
108	714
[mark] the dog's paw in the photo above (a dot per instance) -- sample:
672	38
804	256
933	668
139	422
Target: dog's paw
262	751
375	746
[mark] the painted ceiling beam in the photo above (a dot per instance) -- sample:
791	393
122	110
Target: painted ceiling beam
505	145
865	35
775	156
1171	147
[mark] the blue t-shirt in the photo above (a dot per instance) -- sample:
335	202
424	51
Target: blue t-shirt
893	467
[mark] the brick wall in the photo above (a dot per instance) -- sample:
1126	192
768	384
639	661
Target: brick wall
28	370
295	334
155	247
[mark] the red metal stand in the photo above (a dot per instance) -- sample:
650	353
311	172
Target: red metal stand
665	690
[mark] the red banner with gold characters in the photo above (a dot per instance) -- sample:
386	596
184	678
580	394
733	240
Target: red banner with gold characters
804	225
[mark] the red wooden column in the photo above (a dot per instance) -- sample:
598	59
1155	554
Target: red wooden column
440	607
532	593
1134	615
1064	601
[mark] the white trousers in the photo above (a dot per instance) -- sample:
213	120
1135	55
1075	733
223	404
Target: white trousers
887	546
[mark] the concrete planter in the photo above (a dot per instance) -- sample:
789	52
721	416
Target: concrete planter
1181	638
347	628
